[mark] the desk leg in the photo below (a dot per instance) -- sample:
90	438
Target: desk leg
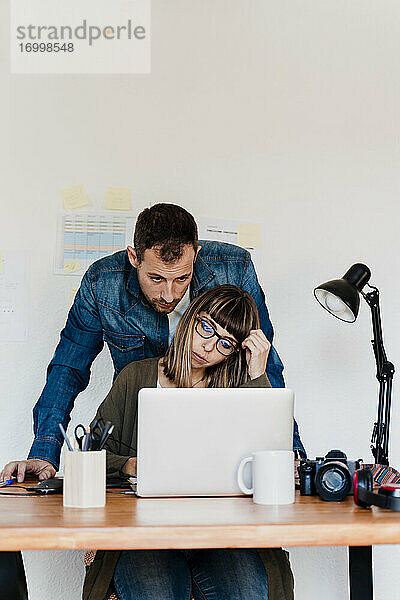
12	577
360	572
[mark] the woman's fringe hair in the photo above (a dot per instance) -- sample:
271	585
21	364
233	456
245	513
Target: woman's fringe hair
234	310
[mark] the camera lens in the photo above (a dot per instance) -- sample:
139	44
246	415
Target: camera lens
333	481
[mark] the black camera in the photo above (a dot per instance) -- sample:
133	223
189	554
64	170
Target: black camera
330	477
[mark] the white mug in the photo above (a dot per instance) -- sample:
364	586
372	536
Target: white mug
273	476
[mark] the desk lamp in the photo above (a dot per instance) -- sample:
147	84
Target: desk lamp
341	298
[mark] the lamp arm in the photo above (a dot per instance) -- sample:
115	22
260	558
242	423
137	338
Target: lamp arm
384	374
382	364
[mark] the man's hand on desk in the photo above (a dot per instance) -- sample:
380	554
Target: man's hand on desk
129	467
33	467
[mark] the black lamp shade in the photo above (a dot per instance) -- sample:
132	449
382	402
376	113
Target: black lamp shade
340	297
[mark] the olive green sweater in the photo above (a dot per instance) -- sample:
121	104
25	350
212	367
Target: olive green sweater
120	407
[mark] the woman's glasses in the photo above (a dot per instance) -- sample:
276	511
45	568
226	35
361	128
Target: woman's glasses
206	331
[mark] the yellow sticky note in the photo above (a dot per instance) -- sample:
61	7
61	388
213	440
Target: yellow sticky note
249	235
73	265
118	198
1	263
72	294
74	197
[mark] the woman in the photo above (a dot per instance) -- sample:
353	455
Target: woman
218	343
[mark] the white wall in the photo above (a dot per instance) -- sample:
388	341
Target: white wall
282	111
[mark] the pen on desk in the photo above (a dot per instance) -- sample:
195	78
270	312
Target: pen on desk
108	429
65	437
6	482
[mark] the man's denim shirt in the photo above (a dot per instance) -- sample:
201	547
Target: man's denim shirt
109	307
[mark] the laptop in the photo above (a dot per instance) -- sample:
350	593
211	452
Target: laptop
191	440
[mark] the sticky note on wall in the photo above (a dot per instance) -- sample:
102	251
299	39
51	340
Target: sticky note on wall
118	198
249	235
74	197
72	266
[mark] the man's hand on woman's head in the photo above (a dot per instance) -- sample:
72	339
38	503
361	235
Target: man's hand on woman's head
257	349
34	467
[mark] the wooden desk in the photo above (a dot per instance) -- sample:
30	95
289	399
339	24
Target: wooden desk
127	522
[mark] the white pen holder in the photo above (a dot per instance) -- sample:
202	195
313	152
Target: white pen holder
84	479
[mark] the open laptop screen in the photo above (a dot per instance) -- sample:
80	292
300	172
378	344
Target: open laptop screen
191	440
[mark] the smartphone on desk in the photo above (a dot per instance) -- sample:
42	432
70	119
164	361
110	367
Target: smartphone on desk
53	485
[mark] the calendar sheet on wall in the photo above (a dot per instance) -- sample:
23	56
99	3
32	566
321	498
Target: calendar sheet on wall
83	238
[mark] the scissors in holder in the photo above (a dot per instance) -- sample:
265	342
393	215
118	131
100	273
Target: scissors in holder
81	439
100	433
96	434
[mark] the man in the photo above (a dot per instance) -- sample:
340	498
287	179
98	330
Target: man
133	300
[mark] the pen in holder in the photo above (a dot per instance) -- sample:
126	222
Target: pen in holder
84	479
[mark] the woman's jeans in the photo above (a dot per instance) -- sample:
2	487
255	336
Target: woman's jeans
220	574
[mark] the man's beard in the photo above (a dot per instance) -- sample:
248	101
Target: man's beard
161	307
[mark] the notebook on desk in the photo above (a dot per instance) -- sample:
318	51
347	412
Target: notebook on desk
191	441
